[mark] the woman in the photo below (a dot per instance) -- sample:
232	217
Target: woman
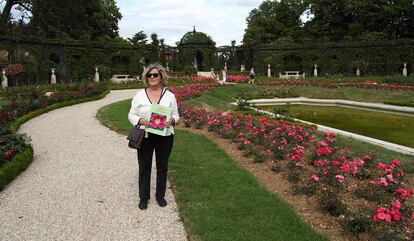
155	77
252	75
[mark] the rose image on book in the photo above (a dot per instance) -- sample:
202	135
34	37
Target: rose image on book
157	121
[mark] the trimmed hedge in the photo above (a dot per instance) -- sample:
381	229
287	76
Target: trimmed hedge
17	164
22	160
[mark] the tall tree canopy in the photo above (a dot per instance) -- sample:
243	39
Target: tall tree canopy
274	20
138	39
330	20
75	19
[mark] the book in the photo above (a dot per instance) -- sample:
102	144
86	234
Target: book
159	114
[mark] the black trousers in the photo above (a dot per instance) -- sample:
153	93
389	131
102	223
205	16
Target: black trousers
162	146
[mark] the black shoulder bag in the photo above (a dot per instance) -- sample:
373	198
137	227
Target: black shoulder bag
136	137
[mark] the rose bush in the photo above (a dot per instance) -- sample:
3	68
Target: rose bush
316	166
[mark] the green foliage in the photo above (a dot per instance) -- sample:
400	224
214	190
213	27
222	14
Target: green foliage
282	110
331	203
357	224
273	20
84	20
276	167
139	38
17	164
328	20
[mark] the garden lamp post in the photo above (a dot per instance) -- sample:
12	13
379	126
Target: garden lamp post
4	80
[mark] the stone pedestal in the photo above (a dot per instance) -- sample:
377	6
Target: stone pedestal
242	68
96	74
269	71
315	70
404	72
4	80
53	77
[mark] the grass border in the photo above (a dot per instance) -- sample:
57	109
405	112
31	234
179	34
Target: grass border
22	160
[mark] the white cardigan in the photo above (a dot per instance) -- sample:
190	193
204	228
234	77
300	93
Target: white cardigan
141	104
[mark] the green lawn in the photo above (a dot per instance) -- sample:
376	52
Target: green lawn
393	128
217	199
220	98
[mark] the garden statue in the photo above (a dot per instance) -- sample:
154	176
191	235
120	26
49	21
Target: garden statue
4	80
269	71
405	69
315	70
167	67
225	66
213	74
224	75
358	72
52	77
96	74
242	68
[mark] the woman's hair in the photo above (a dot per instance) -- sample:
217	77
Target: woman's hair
161	70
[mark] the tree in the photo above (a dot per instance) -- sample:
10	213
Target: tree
274	20
155	48
75	19
5	14
139	39
338	20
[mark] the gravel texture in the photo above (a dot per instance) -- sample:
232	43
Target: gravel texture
83	184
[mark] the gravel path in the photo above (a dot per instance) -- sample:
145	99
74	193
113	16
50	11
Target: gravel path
82	184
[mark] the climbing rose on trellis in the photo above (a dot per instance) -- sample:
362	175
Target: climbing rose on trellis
14	69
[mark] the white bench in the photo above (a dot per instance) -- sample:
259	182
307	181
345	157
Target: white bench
121	78
291	74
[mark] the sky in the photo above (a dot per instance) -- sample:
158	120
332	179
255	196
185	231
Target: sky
222	20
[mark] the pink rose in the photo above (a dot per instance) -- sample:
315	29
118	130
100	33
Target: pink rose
340	178
314	178
381	216
396	204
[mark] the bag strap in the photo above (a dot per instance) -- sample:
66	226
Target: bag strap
162	94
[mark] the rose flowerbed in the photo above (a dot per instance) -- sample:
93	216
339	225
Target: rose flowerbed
186	92
237	78
199	78
365	85
366	196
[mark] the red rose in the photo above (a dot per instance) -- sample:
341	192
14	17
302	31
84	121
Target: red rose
8	154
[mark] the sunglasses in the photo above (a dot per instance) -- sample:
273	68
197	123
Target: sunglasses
153	75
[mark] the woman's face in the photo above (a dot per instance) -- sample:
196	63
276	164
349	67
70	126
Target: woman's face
154	78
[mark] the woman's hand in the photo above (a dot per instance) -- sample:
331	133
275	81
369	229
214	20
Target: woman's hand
144	122
168	123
